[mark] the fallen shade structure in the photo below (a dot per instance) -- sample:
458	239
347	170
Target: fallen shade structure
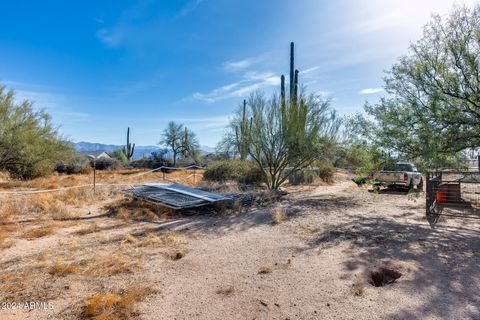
174	196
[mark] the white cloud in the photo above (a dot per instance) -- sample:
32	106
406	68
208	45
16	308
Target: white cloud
371	90
309	70
190	6
251	81
109	37
57	105
239	64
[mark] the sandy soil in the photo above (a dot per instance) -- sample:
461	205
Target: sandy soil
313	265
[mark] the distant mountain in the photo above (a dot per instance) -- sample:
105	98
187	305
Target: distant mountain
139	152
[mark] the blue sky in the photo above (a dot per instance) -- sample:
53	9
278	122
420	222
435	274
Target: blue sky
100	66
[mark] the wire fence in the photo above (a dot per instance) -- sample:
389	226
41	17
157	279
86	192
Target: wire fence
454	194
163	169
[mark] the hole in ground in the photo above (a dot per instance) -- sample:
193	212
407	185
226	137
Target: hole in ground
383	276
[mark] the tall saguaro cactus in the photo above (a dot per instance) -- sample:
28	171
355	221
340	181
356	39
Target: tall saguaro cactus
292	68
129	148
241	133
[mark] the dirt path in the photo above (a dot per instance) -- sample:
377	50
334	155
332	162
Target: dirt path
315	264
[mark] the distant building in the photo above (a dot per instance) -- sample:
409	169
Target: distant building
101	156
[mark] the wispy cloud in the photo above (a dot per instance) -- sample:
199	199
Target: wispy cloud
251	81
239	64
190	6
309	70
55	104
371	90
110	37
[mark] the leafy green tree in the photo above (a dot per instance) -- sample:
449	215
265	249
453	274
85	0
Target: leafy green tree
30	146
433	110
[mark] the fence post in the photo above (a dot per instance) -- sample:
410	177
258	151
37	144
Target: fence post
94	174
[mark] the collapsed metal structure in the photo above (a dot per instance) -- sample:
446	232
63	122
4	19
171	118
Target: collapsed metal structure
452	193
175	196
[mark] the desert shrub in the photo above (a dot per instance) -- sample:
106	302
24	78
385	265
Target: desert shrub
236	170
326	172
30	146
306	176
77	164
107	164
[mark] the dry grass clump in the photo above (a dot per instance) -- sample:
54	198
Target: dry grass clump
138	211
113	306
278	214
265	270
227	291
91	228
358	289
276	266
151	239
39	232
61	268
10	211
117	263
48	204
6	234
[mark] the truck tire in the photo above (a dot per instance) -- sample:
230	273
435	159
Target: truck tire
420	185
410	186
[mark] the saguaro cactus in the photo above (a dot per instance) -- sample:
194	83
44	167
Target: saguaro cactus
292	69
129	148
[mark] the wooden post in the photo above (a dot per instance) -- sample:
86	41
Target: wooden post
163	174
94	174
194	170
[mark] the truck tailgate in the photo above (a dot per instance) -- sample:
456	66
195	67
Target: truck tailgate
389	176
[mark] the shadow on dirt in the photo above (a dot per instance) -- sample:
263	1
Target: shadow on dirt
447	258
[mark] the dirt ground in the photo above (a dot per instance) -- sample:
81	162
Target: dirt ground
312	260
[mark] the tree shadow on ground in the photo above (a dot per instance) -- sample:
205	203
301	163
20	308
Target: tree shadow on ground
448	258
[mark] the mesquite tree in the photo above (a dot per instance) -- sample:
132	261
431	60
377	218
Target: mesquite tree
433	108
30	146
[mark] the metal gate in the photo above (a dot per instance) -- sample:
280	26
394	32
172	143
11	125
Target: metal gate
454	194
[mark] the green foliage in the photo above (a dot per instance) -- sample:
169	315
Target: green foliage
433	111
107	164
128	149
326	171
243	171
78	163
280	133
304	176
30	146
120	156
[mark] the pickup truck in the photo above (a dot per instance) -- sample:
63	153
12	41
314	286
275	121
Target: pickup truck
404	175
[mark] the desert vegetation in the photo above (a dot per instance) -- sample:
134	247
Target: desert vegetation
300	233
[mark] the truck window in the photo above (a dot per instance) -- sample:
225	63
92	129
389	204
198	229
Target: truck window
404	167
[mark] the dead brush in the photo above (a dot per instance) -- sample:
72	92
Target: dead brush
48	204
358	288
10	211
91	228
137	210
61	268
6	235
151	239
117	263
39	232
278	214
227	291
111	306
